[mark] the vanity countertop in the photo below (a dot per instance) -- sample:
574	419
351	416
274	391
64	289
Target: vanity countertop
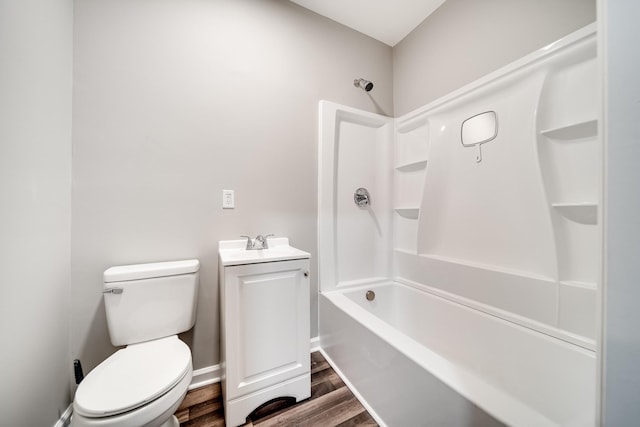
234	252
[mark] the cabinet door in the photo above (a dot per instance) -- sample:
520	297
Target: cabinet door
266	321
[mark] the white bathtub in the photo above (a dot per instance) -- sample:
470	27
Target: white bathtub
416	359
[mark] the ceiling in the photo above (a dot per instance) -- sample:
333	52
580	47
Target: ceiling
388	21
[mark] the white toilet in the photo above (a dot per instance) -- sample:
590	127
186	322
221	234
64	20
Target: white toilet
144	383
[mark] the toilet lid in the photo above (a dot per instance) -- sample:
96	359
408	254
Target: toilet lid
132	377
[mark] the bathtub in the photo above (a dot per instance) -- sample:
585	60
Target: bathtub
417	359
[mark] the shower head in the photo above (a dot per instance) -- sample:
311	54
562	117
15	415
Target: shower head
363	84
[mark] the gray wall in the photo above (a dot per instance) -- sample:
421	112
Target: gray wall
622	213
35	193
175	100
464	40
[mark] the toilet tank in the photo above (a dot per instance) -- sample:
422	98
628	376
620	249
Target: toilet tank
149	301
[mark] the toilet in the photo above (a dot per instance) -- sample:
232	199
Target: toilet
143	384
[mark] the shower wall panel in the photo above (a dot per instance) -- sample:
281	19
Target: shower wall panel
355	242
509	226
362	234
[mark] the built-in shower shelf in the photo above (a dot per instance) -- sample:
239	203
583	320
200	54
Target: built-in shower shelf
572	131
580	284
584	212
411	213
412	166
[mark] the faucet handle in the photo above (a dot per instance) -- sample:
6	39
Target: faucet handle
249	243
260	241
266	244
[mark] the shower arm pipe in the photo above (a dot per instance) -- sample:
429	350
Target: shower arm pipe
363	84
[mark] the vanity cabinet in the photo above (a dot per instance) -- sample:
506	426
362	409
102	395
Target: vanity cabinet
265	327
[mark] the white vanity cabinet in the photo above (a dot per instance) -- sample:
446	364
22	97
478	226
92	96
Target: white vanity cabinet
265	326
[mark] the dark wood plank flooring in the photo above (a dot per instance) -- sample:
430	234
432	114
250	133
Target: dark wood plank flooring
331	404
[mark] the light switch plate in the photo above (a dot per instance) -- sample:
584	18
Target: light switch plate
228	199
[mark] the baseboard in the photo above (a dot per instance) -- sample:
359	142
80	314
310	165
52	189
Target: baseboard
65	418
314	344
205	376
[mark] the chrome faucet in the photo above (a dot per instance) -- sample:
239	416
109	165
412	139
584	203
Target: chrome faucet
260	242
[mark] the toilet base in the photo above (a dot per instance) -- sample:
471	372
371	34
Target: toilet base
171	422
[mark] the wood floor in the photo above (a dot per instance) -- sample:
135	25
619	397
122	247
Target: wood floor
331	404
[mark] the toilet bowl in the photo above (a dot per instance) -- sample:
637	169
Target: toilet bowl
140	385
144	383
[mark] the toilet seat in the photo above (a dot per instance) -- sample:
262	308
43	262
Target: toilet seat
133	377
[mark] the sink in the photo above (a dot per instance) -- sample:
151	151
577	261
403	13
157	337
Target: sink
233	252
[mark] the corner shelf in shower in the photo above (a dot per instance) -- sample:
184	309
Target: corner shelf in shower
410	213
412	166
580	284
572	131
582	212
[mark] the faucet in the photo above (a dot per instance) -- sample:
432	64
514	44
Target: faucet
260	242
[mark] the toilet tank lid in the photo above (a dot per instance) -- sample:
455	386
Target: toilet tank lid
123	273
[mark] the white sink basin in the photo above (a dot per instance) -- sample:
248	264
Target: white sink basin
233	252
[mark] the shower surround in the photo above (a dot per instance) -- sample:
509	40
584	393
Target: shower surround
481	241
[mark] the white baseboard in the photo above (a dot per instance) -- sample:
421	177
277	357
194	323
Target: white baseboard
314	344
65	418
205	376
